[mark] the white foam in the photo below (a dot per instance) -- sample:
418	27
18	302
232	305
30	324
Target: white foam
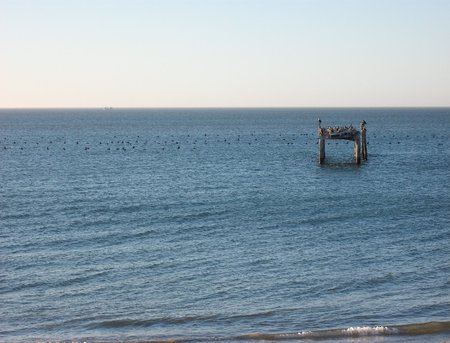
369	330
304	333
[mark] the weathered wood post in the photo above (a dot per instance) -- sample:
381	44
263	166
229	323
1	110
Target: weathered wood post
363	140
321	150
357	149
321	143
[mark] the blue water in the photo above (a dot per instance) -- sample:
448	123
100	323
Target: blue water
220	224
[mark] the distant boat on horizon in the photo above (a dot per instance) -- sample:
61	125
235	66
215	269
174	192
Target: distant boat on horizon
107	108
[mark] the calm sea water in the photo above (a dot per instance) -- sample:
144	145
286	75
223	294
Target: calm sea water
202	225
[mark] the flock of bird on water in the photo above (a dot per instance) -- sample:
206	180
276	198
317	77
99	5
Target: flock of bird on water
125	143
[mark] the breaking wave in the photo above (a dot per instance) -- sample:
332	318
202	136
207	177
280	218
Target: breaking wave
429	328
419	329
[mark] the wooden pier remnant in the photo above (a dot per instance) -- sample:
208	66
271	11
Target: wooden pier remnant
362	127
346	133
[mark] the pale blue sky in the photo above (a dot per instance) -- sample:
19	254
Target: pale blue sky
224	53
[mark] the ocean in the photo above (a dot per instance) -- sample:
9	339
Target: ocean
201	225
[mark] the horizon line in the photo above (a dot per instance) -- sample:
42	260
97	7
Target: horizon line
211	107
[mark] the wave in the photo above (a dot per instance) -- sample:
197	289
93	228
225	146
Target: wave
133	323
418	329
430	328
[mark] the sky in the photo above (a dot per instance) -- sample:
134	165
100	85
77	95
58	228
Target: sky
224	53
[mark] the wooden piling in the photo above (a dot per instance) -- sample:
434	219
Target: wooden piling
321	150
357	149
363	140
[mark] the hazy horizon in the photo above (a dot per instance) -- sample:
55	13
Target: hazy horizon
217	107
224	54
